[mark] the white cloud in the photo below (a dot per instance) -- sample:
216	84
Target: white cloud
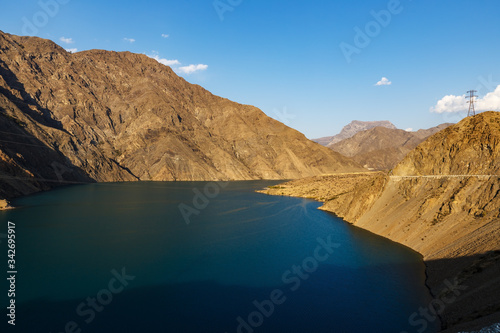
167	62
163	61
192	68
67	40
383	82
490	102
165	35
175	64
452	103
409	129
73	50
130	40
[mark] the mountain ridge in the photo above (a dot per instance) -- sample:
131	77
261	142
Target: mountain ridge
351	129
120	116
381	148
471	148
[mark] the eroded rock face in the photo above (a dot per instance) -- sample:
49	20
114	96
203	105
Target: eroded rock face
108	116
471	147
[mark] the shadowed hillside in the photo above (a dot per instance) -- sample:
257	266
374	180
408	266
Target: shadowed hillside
108	116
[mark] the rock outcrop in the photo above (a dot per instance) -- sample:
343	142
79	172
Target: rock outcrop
4	204
107	116
471	147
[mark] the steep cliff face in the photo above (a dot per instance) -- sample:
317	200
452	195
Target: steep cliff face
436	204
109	116
30	153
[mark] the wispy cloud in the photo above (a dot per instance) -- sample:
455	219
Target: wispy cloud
130	40
167	62
165	35
176	64
192	68
453	103
73	50
164	61
67	40
383	82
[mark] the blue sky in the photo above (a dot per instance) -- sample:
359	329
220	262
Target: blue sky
312	65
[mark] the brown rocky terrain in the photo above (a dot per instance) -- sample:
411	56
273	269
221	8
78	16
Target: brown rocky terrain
443	200
381	148
349	195
471	148
4	204
107	116
351	129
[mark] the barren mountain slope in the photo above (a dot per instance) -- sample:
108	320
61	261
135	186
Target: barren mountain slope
381	148
469	147
120	116
448	214
352	128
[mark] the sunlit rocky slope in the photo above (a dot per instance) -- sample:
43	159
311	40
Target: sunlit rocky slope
107	116
351	129
381	148
442	200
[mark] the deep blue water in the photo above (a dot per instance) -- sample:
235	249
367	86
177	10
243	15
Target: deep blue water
122	258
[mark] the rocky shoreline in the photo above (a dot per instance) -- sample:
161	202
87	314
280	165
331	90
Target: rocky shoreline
460	248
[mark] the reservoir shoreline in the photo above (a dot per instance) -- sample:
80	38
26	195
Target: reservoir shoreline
353	197
225	251
269	191
460	249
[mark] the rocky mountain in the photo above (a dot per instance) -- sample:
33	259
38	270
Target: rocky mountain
442	200
107	116
352	128
381	148
470	148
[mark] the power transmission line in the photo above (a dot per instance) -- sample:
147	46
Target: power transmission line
471	97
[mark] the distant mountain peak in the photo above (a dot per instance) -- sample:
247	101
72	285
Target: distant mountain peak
381	148
351	129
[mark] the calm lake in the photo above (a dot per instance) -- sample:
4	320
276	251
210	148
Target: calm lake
161	257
